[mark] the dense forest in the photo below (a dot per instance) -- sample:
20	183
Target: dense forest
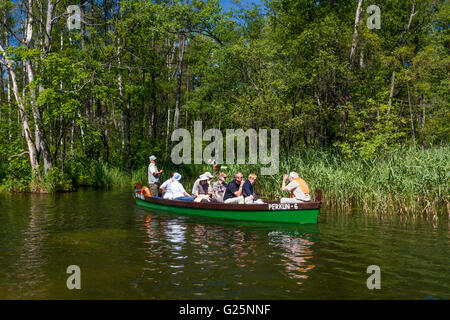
112	89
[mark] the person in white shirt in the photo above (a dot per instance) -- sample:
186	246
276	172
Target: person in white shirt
297	187
153	176
176	191
163	187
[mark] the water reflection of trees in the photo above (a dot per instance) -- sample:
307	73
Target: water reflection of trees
214	258
32	258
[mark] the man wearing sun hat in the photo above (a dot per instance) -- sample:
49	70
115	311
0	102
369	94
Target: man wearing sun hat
153	176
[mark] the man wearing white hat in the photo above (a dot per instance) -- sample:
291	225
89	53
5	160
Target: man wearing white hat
153	176
207	174
297	187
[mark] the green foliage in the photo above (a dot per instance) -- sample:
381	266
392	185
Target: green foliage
55	181
105	97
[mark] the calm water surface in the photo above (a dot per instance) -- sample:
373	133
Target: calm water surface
125	252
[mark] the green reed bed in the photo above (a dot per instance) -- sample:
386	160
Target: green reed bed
402	180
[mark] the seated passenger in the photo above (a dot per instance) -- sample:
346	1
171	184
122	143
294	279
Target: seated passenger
297	187
247	190
219	188
195	187
201	192
142	189
163	187
176	191
233	192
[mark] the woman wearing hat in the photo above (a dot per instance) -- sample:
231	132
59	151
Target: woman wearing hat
176	191
206	174
202	192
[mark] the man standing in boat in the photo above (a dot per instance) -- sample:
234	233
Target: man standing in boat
297	187
153	176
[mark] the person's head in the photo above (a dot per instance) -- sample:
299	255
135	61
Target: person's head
293	175
137	186
208	175
171	174
222	176
238	177
152	159
252	178
203	179
176	176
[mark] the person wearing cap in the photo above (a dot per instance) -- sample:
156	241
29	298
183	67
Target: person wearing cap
208	175
247	191
297	187
233	192
219	187
153	176
176	191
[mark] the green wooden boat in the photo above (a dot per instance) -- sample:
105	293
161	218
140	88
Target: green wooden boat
272	211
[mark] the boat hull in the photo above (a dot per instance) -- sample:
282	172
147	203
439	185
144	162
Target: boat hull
306	215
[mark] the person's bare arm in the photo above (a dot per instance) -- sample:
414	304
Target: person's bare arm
239	192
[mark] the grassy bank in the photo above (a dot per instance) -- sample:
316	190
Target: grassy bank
400	181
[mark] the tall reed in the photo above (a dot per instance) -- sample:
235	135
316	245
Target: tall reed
402	180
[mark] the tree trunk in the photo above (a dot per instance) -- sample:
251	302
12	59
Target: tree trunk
48	26
82	25
41	141
411	118
355	34
343	115
181	43
169	59
400	43
32	151
127	128
121	98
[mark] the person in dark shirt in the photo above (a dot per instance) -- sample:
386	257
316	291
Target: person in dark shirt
233	193
247	190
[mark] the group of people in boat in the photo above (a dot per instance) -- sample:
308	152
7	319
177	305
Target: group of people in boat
234	192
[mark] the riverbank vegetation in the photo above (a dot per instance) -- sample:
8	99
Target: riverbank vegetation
400	181
87	106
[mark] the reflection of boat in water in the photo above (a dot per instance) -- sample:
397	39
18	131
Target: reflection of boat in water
307	212
296	253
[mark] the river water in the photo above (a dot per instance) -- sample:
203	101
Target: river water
125	252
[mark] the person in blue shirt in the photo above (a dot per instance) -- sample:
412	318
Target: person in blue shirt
247	191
